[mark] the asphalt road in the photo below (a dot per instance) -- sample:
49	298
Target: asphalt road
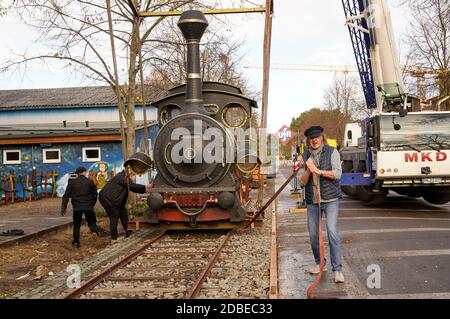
400	249
408	239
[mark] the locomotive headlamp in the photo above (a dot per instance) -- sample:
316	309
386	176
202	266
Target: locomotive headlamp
139	163
247	156
248	163
234	115
169	112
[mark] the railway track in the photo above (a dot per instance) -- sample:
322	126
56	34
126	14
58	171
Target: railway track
168	266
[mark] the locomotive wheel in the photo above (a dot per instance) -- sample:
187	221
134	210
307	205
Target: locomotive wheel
347	167
437	198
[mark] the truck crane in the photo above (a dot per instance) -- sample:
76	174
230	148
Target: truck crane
399	147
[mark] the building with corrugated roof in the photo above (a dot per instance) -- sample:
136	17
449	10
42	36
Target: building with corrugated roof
45	130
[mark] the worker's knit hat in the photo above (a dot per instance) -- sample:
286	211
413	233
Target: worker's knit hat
314	131
80	170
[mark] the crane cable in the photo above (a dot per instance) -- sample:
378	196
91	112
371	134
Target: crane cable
309	291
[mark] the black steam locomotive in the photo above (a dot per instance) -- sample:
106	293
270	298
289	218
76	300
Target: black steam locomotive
196	181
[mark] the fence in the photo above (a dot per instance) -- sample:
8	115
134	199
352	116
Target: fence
35	186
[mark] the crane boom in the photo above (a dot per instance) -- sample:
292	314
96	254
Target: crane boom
370	27
359	36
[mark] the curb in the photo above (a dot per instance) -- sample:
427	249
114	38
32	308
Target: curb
24	238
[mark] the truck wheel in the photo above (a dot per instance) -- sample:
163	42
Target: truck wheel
350	191
376	200
437	198
365	193
413	194
409	193
370	198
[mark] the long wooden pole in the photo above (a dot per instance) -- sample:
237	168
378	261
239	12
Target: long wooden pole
212	11
144	103
266	61
116	80
265	88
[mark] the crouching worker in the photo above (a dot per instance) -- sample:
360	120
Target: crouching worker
83	194
114	194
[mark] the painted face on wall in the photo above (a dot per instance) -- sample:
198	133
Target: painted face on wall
102	176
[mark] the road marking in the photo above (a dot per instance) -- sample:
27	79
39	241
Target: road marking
394	230
353	287
426	295
406	210
379	231
413	253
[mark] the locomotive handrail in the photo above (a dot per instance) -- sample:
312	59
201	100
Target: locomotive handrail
191	214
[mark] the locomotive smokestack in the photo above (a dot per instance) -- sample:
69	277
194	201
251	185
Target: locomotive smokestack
193	24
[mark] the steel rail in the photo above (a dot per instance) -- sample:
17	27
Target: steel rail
198	284
91	283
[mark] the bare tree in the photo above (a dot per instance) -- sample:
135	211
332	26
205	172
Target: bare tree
429	44
346	96
4	5
220	57
332	120
76	33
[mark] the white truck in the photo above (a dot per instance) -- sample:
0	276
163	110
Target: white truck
399	147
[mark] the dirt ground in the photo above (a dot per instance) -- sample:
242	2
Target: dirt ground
49	253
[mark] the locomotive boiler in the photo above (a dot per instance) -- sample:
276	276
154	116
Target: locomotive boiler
198	162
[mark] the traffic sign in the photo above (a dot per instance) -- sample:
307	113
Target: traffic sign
285	134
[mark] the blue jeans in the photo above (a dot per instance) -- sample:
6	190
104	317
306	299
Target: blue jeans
331	211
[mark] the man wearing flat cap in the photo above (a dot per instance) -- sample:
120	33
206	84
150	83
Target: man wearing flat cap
325	161
83	194
114	194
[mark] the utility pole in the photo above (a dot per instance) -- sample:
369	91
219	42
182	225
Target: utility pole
266	61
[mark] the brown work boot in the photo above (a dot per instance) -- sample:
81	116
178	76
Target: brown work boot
128	233
98	241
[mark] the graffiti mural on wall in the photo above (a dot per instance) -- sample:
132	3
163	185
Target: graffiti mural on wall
71	158
102	174
99	172
110	163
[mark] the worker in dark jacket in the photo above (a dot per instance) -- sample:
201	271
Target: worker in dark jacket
114	196
83	194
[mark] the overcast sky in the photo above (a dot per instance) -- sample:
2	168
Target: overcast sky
304	32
